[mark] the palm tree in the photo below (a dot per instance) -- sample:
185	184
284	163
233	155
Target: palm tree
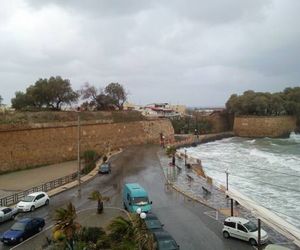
97	196
130	232
171	152
65	222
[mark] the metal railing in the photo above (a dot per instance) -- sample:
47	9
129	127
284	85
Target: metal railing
16	197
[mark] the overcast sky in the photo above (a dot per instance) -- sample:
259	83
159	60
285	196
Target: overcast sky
193	52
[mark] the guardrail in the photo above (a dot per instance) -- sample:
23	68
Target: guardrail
16	197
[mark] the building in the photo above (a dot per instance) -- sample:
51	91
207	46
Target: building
159	110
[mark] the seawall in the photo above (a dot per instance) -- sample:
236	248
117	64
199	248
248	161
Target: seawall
42	144
264	126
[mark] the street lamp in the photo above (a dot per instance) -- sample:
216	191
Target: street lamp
141	214
227	174
78	150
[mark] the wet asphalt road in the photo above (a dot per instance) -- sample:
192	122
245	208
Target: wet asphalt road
186	221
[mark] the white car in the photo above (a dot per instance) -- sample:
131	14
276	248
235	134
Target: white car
243	229
7	213
33	201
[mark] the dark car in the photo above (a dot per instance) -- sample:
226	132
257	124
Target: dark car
153	223
164	241
105	168
22	230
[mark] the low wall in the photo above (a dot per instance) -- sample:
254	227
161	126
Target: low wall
264	126
53	143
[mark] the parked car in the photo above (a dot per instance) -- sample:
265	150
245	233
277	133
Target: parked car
243	229
22	230
7	213
33	201
153	223
164	241
105	168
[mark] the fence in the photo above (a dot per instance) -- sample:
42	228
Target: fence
14	198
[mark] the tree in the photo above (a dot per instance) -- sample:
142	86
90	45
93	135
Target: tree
60	92
21	101
96	98
132	232
171	152
65	222
97	196
118	94
1	99
49	93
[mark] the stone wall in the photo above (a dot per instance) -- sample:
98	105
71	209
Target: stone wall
53	143
220	122
264	126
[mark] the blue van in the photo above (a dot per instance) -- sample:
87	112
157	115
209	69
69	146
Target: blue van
134	197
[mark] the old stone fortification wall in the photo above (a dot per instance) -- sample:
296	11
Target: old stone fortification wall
264	126
220	122
52	143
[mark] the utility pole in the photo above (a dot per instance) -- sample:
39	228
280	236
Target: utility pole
185	157
78	151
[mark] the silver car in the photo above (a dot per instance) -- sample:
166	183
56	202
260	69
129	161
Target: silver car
7	213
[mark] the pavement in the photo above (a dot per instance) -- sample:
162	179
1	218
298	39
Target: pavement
21	180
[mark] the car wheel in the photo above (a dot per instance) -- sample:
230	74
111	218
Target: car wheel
47	203
226	234
40	229
13	217
32	208
252	242
20	240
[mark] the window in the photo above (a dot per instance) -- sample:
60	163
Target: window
40	196
128	197
229	224
242	228
6	210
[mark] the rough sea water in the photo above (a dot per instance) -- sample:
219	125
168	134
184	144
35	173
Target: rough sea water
266	170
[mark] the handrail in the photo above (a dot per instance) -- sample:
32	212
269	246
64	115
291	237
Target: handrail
16	197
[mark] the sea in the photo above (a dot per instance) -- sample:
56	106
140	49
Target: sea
266	170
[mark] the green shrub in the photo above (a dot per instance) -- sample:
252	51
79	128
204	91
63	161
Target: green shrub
90	156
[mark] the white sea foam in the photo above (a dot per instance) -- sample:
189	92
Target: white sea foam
252	164
294	137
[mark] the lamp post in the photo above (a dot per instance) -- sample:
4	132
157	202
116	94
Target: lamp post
227	174
78	150
141	214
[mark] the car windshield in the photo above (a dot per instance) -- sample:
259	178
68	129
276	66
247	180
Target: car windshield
153	224
140	201
18	227
250	226
104	166
167	244
28	198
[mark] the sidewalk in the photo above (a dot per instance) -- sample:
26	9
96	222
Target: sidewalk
188	183
25	179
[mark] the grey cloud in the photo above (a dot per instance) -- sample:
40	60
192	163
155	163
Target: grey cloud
193	52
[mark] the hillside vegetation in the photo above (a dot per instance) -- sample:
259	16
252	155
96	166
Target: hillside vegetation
69	116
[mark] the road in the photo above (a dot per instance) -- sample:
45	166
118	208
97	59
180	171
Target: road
187	221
